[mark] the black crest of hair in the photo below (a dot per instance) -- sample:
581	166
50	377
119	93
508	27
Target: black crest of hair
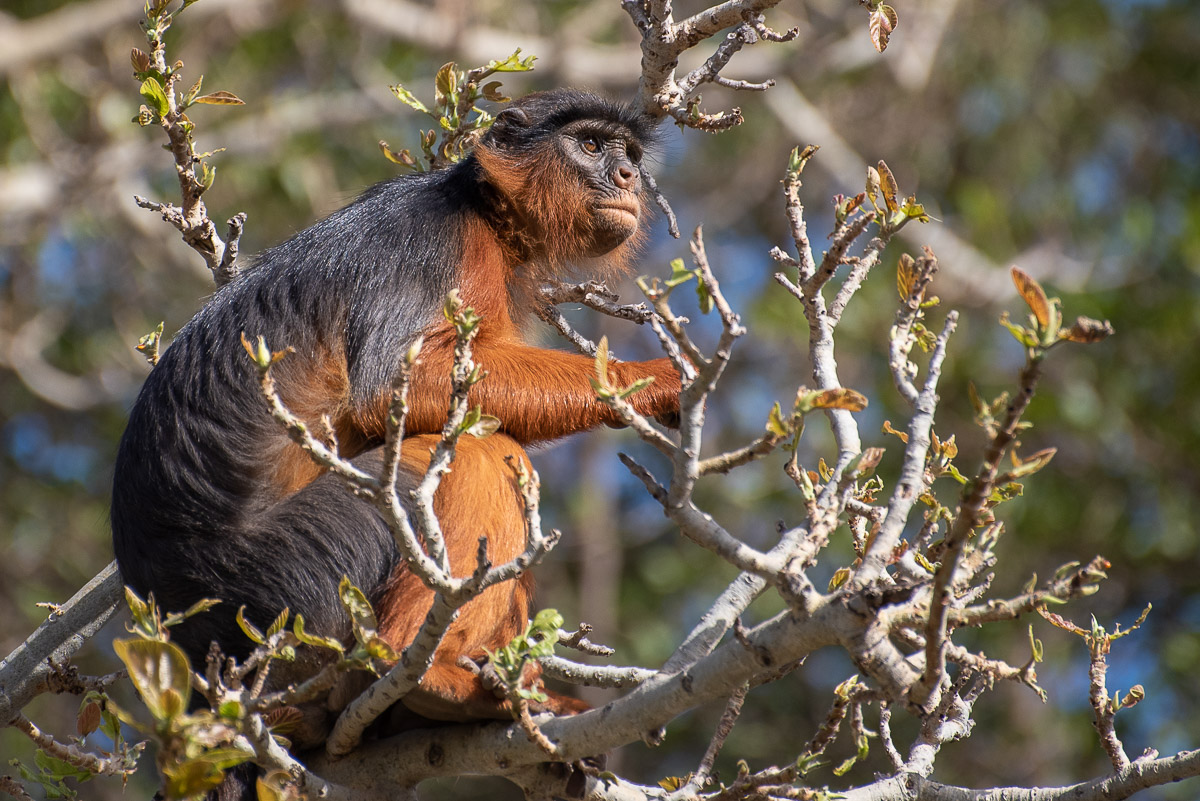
552	110
195	513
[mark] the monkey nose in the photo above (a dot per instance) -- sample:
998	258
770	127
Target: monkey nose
625	178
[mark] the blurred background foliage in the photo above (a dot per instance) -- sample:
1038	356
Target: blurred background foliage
1062	137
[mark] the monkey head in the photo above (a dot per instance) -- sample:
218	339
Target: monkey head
569	163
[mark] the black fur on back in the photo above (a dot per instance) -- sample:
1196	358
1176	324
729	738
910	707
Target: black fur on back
196	510
190	513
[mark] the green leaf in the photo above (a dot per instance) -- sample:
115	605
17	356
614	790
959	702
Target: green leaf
409	99
208	175
1022	335
143	615
1032	464
548	621
203	605
636	386
59	769
403	157
776	425
275	786
197	776
914	210
279	623
704	296
954	473
156	96
380	648
161	674
446	84
357	605
679	274
190	96
248	628
315	640
513	63
484	426
840	576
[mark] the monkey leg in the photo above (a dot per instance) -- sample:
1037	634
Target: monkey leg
478	498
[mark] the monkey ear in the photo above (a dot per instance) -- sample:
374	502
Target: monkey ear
512	116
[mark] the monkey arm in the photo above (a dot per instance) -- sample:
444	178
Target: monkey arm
538	394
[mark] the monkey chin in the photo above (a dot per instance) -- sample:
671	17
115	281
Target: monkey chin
612	225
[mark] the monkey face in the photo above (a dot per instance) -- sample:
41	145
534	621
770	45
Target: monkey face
608	159
569	163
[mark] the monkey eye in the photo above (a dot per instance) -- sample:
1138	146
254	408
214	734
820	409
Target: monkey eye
590	145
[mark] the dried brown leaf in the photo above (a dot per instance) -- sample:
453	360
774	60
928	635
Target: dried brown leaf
1033	294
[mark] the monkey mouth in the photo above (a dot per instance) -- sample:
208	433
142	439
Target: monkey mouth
618	209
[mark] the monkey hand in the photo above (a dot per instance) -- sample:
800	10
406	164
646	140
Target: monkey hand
574	775
660	399
531	678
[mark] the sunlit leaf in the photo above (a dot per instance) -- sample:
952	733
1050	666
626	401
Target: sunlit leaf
601	363
840	576
889	188
776	425
1033	294
161	674
314	639
905	275
446	83
403	157
155	95
840	398
248	628
356	603
221	98
408	98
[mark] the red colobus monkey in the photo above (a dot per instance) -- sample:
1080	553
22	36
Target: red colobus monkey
212	500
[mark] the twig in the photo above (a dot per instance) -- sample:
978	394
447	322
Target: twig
527	724
733	709
191	219
661	93
13	787
116	766
661	201
885	736
975	497
912	472
594	675
578	640
1103	710
901	339
24	673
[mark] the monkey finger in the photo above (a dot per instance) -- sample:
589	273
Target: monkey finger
669	419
